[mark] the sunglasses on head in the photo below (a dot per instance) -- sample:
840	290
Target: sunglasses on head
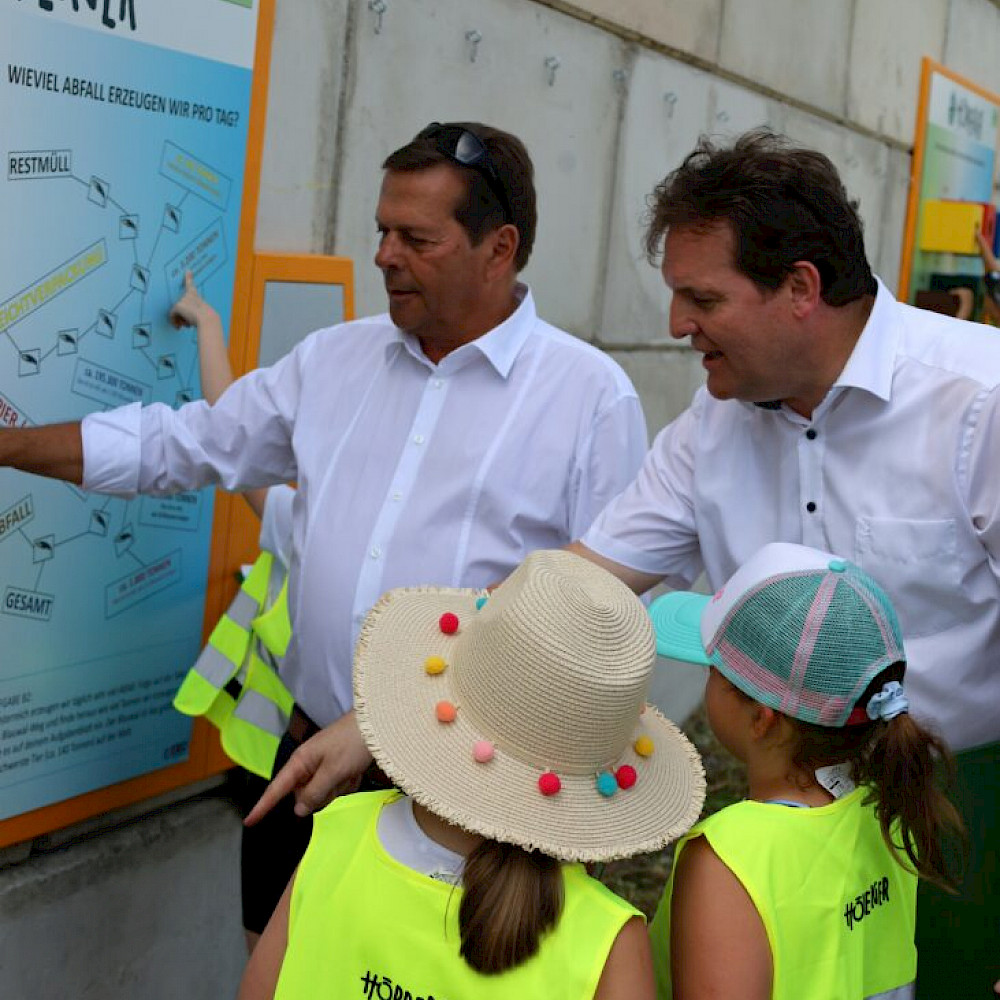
467	150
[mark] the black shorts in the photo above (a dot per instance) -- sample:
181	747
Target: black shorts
273	848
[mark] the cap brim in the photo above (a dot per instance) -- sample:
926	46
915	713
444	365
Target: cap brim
677	622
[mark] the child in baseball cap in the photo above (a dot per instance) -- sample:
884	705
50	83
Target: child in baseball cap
807	889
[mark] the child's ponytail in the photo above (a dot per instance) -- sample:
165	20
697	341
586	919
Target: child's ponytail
511	897
906	768
903	764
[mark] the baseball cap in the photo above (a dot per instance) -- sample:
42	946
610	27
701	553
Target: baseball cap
795	628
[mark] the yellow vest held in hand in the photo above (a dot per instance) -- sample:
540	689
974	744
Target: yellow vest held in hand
234	683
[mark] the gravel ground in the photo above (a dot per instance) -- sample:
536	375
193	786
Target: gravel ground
641	879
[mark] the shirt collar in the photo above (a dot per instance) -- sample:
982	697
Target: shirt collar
500	346
873	360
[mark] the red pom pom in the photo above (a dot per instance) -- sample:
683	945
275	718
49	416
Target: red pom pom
448	623
626	776
549	783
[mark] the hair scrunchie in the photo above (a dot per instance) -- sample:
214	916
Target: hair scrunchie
888	703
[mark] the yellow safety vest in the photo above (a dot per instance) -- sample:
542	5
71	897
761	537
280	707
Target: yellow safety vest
234	683
362	925
838	908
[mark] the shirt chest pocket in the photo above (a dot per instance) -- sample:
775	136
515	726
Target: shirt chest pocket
917	564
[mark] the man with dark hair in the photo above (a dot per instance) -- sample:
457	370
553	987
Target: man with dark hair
436	445
837	417
501	183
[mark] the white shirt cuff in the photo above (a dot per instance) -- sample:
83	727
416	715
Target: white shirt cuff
111	450
619	552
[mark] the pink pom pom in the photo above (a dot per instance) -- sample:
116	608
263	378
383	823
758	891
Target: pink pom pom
482	751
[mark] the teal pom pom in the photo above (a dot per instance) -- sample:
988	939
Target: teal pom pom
480	601
607	785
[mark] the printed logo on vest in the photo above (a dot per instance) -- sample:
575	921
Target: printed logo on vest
381	988
858	908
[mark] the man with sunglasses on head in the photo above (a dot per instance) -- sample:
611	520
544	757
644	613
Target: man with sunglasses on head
438	444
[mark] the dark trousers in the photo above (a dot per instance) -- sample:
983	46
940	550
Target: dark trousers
958	937
272	849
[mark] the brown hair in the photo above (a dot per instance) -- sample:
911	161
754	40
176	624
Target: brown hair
784	204
481	212
511	897
903	764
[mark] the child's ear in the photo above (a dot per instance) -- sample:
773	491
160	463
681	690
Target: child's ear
764	721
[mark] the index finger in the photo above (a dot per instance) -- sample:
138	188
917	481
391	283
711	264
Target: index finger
293	775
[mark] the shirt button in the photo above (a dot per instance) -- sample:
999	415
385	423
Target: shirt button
418	439
811	507
811	434
396	497
375	552
438	383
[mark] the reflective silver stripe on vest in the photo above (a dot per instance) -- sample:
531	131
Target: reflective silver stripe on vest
899	993
262	713
214	667
243	610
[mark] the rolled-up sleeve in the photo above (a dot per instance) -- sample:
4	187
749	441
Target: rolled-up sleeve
976	471
243	441
111	451
651	525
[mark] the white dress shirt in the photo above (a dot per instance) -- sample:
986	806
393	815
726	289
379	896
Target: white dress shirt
408	473
898	470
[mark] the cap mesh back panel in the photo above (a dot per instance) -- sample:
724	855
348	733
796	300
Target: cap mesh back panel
852	644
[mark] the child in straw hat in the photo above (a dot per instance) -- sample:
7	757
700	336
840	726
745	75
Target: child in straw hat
517	729
807	889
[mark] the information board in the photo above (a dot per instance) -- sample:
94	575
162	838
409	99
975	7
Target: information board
954	160
126	132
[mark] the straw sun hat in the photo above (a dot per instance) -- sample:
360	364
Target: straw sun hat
521	716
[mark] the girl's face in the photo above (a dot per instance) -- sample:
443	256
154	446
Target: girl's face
728	713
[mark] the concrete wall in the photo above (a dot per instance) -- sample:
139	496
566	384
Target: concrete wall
133	905
608	95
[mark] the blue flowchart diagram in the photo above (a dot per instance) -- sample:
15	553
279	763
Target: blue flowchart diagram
106	204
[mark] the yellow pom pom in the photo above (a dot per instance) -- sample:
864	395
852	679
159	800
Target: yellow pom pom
434	665
644	746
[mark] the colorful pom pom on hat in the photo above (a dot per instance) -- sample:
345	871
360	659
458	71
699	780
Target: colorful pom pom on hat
551	675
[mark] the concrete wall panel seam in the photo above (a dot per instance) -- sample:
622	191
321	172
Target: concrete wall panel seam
348	81
723	10
644	347
845	97
629	52
721	72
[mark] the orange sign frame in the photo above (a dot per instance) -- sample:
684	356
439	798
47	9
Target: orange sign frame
928	68
236	529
